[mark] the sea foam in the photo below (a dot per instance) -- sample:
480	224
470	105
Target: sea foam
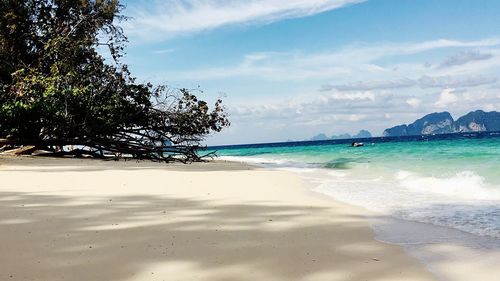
463	201
464	184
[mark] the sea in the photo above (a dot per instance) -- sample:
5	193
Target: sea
430	189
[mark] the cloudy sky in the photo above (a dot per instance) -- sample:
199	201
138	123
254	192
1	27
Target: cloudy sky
290	69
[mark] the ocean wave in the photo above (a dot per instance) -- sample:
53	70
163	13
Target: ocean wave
462	201
464	184
270	162
480	218
334	164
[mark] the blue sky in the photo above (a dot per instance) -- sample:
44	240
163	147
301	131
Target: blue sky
290	69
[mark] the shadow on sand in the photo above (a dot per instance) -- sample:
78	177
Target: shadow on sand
63	238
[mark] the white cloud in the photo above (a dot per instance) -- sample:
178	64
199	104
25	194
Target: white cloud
361	61
308	107
464	57
371	85
367	95
446	81
350	117
455	81
303	116
445	43
490	107
163	51
414	102
172	18
366	87
446	98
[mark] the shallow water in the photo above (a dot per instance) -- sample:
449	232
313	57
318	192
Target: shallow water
451	180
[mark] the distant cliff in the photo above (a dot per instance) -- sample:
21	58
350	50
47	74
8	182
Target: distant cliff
478	121
361	134
443	123
320	137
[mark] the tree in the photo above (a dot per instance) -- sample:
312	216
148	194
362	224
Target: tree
57	89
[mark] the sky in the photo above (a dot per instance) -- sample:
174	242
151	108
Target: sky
291	69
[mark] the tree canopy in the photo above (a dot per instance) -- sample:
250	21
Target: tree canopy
62	84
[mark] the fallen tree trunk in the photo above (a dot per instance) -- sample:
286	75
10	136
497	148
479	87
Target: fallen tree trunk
108	149
24	150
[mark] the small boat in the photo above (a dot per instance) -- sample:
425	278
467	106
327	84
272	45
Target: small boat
357	144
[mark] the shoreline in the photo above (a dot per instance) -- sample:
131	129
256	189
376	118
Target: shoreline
449	254
76	219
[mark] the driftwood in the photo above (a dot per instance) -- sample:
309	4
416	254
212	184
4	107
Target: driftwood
29	149
108	148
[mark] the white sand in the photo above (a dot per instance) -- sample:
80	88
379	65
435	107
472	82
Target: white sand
92	220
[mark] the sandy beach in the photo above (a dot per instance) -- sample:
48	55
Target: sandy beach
94	220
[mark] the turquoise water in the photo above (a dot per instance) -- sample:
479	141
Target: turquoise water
440	158
452	182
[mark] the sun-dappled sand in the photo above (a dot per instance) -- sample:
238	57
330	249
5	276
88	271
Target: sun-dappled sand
68	219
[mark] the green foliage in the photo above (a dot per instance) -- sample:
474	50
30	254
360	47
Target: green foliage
55	87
